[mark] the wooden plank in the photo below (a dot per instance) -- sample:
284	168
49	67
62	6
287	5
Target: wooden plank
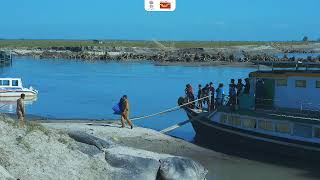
171	128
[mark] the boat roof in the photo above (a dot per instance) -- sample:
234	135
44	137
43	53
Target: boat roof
288	64
284	73
10	79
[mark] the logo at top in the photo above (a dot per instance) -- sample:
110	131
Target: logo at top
160	5
165	5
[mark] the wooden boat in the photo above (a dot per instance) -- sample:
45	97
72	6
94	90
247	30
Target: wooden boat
279	115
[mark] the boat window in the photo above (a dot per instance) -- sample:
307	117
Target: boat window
301	83
234	121
317	132
224	118
249	123
282	82
0	82
265	125
302	130
15	83
5	83
317	84
231	120
283	127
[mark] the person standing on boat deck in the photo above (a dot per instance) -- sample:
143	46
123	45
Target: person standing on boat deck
199	97
21	110
232	81
240	86
211	91
190	95
220	95
247	86
206	92
232	95
125	109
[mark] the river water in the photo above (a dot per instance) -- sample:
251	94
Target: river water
70	89
88	90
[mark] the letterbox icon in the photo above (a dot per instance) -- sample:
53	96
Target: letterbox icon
165	5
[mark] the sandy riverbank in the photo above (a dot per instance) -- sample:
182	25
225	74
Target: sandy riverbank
50	151
141	138
66	150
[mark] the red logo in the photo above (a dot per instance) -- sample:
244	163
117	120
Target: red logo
165	5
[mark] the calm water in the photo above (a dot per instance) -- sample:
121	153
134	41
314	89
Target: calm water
78	89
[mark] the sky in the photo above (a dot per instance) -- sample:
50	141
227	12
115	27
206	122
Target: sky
202	20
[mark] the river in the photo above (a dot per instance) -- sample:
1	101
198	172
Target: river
74	89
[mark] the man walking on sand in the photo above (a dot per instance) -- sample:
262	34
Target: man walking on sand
125	109
21	110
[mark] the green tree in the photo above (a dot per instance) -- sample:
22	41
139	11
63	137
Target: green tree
305	39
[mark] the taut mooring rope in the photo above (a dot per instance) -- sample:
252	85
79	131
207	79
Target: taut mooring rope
168	110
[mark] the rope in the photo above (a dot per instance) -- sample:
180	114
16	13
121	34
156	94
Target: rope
178	107
168	110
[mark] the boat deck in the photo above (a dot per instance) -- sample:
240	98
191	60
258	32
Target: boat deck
293	116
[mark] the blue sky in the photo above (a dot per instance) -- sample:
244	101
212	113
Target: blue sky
204	20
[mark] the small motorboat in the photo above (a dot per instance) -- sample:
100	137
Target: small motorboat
13	88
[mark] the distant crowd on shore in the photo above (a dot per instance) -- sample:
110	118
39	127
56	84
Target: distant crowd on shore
210	98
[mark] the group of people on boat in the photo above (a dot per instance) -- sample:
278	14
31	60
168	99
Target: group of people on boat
236	90
212	98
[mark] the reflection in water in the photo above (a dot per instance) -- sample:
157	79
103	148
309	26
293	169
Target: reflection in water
9	104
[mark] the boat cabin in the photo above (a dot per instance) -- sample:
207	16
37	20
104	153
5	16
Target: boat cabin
283	89
10	83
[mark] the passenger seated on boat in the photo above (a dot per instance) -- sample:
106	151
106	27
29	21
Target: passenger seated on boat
220	95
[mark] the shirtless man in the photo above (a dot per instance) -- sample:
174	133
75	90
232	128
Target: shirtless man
21	110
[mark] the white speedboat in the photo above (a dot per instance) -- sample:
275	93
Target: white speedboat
13	88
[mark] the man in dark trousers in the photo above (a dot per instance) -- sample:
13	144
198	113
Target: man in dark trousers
247	86
212	90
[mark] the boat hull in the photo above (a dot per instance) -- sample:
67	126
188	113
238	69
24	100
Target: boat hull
13	94
213	135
